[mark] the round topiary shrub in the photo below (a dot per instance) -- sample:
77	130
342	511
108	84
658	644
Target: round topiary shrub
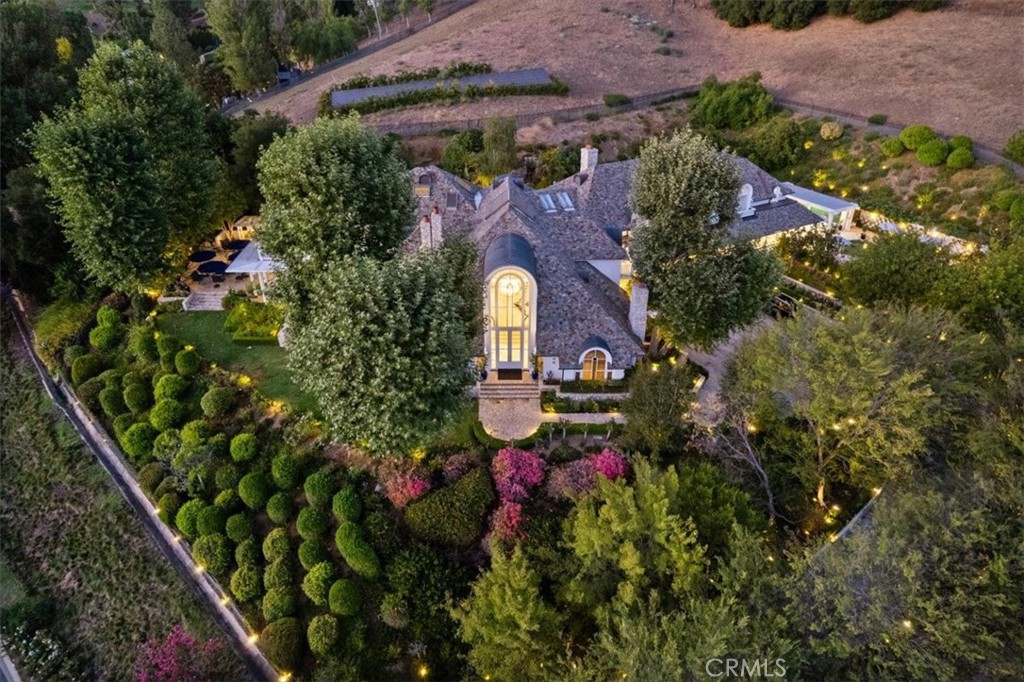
168	485
892	147
281	642
143	344
279	573
106	338
195	433
311	524
246	583
318	488
167	414
72	353
238	527
317	583
279	508
85	368
253	490
107	316
217	402
247	553
278	603
131	378
228	500
167	363
210	520
112	402
959	159
961	142
227	476
243	447
137	442
137	398
312	552
170	386
830	130
933	153
167	445
150	477
344	598
187	518
322	635
111	378
186	362
346	504
167	343
124	422
285	471
277	545
89	392
357	554
1003	200
914	136
213	552
167	507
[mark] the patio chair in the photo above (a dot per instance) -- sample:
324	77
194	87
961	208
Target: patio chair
218	278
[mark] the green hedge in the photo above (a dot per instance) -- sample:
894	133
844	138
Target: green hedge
253	490
187	518
312	552
892	147
454	515
959	159
344	598
614	99
210	520
137	398
112	402
311	524
106	337
170	386
1014	148
317	583
355	551
285	471
217	402
56	327
933	153
453	70
322	634
213	552
186	362
279	508
279	573
168	414
247	553
243	447
914	136
246	583
277	545
239	527
137	442
319	488
346	504
281	642
86	367
278	603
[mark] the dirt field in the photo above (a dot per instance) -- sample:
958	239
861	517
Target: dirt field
960	69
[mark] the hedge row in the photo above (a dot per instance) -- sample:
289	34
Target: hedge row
452	92
454	515
453	70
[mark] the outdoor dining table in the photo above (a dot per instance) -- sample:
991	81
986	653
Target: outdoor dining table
213	267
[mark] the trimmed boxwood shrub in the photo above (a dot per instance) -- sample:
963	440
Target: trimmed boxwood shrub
317	583
1003	200
278	603
188	517
213	552
285	471
346	504
227	500
143	344
281	643
311	524
877	119
85	368
1014	148
933	153
137	442
217	402
167	363
107	316
322	635
170	386
150	477
89	391
238	527
279	508
247	553
344	598
253	490
280	573
830	130
960	159
167	414
227	476
124	422
168	485
614	99
106	338
318	488
210	520
243	447
892	147
914	136
357	554
312	552
277	544
168	343
112	402
137	398
246	583
131	378
961	142
195	433
453	515
167	445
111	378
167	507
72	353
186	362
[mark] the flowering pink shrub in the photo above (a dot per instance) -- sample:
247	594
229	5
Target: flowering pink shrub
571	480
609	464
516	472
457	466
402	487
507	522
180	658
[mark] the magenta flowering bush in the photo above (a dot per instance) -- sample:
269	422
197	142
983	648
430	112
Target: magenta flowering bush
571	480
609	464
507	523
516	472
180	658
402	487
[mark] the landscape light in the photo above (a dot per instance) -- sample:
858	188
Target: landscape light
907	624
253	638
424	671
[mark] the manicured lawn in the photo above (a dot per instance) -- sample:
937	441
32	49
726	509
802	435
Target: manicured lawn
266	364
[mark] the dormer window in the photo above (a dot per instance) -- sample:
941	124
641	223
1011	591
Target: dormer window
423	185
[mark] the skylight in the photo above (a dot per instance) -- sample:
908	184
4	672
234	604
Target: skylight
565	201
548	203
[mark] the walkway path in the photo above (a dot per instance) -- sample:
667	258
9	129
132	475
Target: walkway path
709	409
173	547
343	98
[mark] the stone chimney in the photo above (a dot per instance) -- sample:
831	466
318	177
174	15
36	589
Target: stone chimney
425	240
588	159
436	236
638	308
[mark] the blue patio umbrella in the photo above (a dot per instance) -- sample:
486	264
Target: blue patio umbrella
202	256
213	267
235	244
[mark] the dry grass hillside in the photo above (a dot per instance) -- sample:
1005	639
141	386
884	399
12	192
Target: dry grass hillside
960	69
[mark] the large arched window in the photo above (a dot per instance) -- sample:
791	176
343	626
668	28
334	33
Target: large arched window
510	319
595	365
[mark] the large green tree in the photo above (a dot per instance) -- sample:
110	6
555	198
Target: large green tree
169	38
897	268
252	135
243	27
659	395
379	347
704	282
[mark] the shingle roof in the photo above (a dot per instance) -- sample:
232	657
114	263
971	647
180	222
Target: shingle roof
772	218
509	250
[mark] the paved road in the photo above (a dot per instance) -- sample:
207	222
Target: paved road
341	98
173	548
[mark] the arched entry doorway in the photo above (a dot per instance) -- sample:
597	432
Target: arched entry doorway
510	271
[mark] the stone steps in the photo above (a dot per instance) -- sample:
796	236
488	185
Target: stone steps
508	391
205	300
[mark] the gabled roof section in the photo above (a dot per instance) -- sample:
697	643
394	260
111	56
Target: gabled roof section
817	198
510	250
595	342
759	180
771	218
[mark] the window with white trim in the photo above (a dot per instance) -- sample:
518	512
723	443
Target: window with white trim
565	201
548	203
